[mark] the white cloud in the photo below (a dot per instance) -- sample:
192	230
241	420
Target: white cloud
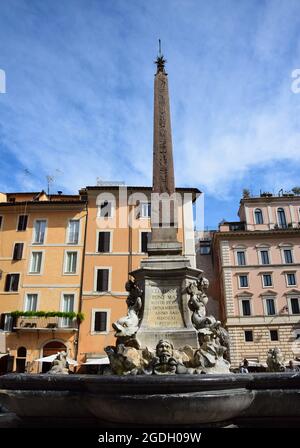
80	90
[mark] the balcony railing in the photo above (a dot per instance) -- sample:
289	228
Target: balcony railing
44	324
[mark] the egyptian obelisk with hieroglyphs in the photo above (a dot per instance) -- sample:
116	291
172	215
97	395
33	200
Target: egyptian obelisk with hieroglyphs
166	273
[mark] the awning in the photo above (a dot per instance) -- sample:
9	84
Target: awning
96	361
51	358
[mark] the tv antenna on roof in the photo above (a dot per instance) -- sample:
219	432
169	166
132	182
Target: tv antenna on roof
51	179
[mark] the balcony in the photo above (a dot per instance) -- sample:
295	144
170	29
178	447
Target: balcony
235	226
44	324
288	226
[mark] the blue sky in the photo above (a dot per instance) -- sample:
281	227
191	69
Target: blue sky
79	101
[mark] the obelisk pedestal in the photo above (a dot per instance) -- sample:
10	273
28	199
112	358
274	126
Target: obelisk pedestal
165	313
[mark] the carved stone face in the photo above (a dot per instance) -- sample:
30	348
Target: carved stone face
164	348
205	283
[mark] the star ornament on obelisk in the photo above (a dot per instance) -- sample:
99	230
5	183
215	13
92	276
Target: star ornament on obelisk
163	204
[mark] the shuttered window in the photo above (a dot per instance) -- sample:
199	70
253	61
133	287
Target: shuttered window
104	242
100	321
71	263
39	231
102	280
36	262
22	223
12	282
18	251
145	239
73	231
246	308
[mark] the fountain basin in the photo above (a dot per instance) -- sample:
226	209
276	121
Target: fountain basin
171	400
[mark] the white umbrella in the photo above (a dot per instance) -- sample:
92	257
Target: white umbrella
51	358
96	361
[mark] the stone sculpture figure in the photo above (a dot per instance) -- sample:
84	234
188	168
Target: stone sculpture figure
128	360
165	362
222	335
210	357
60	365
198	300
275	360
127	326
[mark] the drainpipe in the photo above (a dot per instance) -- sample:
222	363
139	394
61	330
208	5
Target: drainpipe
129	236
81	278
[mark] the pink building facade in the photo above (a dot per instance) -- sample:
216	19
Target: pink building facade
257	261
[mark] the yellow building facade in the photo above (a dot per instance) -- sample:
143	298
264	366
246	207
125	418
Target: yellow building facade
72	254
41	253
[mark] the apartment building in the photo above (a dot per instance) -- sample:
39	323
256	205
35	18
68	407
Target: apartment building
62	254
257	261
41	254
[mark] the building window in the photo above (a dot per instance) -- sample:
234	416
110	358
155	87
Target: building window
288	256
12	282
99	322
281	218
102	280
274	335
104	242
22	223
67	307
105	209
291	279
71	263
248	336
31	302
145	208
36	262
18	251
6	322
295	305
73	231
243	280
241	259
204	247
145	239
270	306
39	231
258	216
246	307
1	222
267	280
264	257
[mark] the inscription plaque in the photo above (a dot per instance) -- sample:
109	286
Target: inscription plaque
164	309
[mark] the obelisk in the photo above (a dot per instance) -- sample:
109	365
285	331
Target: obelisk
165	275
164	205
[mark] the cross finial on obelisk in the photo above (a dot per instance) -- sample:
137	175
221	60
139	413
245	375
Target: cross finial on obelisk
160	60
